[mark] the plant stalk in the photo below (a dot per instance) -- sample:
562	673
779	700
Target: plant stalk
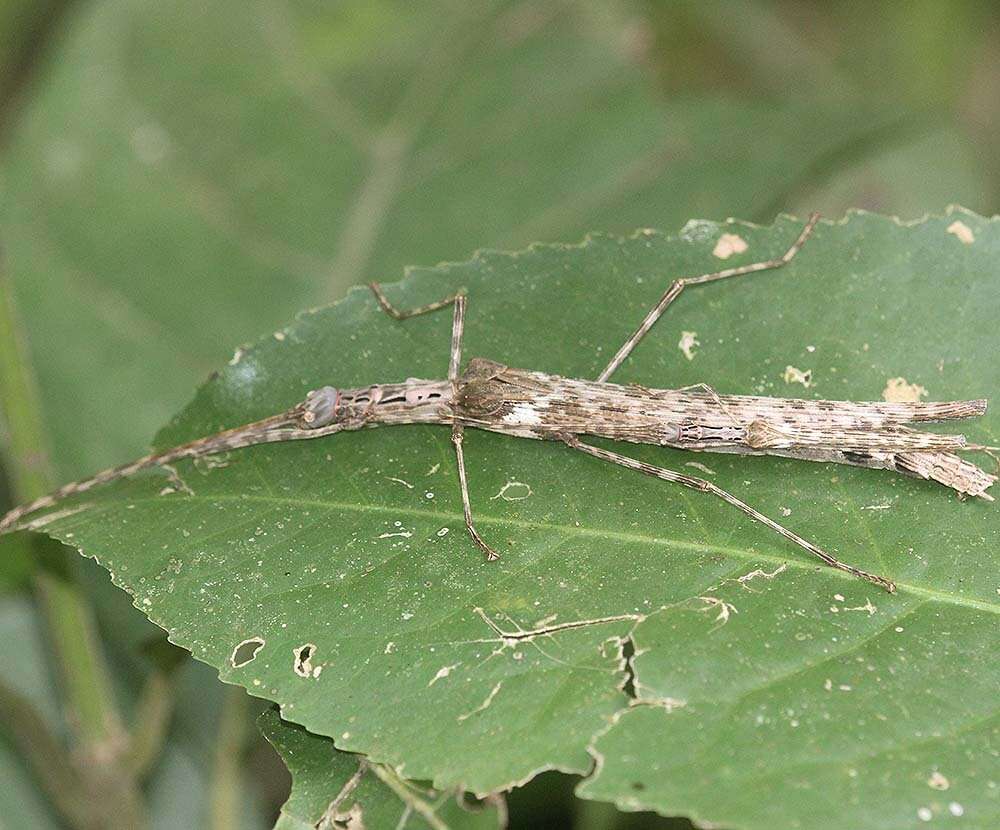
100	740
224	794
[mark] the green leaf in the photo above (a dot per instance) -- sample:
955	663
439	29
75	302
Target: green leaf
814	691
341	787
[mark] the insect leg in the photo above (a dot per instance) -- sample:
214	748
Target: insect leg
678	285
708	390
457	431
457	326
707	487
406	313
457	437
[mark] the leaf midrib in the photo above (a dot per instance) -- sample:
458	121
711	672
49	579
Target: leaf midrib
601	533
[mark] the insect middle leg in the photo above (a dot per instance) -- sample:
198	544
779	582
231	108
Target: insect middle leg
704	486
678	285
454	364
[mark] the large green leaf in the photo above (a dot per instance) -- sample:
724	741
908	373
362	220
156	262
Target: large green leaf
343	788
812	693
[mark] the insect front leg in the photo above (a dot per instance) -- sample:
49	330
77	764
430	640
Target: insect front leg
704	486
457	430
406	313
457	437
454	363
457	326
678	285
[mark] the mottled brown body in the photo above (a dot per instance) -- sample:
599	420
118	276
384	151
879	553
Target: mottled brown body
868	434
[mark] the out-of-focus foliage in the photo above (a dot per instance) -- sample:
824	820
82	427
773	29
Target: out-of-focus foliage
935	64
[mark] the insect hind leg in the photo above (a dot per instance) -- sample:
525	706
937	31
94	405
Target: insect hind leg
704	486
678	285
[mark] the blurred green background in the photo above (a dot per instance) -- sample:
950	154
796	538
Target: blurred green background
177	178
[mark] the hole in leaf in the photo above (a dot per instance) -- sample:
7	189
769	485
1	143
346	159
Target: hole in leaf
628	652
246	651
302	665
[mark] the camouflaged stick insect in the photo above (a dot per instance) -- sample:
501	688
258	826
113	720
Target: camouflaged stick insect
526	404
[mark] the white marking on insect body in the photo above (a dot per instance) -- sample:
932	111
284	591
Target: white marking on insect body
523	414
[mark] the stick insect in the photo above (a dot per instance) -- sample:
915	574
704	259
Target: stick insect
528	404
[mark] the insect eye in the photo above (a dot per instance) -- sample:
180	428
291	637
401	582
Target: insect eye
320	407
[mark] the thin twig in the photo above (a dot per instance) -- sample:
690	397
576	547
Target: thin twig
407	796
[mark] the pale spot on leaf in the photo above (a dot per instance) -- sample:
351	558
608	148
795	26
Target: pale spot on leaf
793	375
302	664
688	341
962	232
513	491
729	244
937	781
443	672
898	390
